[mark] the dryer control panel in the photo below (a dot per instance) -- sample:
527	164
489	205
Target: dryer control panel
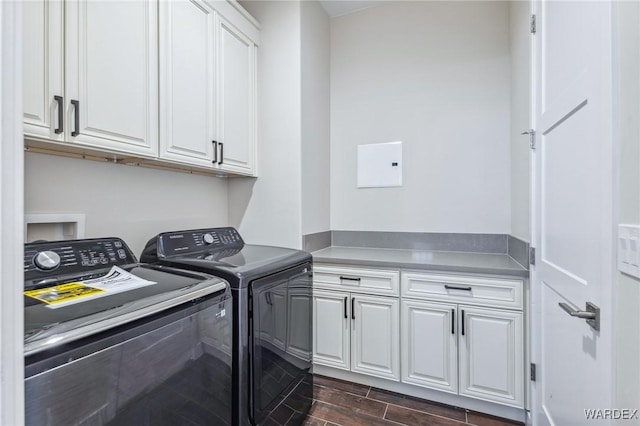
81	257
198	240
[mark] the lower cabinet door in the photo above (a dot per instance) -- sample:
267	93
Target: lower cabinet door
375	342
429	345
331	328
491	355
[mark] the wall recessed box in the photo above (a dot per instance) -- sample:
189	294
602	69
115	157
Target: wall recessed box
380	165
53	227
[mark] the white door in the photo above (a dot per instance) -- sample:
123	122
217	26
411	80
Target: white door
491	355
236	99
573	210
42	69
331	328
112	75
429	345
187	77
375	336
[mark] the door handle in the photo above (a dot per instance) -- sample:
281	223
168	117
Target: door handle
215	151
462	328
221	153
60	101
76	114
453	321
342	277
353	311
455	287
345	307
591	314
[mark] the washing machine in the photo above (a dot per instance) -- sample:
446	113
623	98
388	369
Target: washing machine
271	289
109	340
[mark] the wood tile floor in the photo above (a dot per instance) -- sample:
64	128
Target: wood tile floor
337	402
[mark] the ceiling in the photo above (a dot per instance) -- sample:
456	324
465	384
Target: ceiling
339	7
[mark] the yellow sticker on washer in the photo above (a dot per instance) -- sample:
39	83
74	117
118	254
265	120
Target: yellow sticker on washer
63	293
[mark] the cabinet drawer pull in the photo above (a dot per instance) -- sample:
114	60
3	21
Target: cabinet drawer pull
76	115
345	307
455	287
60	101
342	277
215	151
221	153
462	330
453	321
353	311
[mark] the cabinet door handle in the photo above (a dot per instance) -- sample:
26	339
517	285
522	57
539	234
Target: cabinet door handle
453	321
215	151
221	153
60	101
342	277
462	330
345	307
76	115
455	287
353	311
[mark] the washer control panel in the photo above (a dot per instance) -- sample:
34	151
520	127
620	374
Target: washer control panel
198	240
53	259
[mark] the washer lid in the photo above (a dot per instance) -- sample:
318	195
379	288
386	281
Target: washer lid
47	327
239	266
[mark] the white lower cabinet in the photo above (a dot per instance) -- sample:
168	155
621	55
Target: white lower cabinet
429	345
357	332
331	329
491	355
475	351
375	339
453	333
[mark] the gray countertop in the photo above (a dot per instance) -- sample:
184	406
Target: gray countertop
480	263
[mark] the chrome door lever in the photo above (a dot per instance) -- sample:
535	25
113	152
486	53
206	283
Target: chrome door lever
591	314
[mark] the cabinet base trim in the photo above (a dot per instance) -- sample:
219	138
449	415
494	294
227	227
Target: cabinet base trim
512	413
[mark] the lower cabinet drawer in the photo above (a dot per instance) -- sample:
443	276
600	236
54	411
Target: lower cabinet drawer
371	281
498	292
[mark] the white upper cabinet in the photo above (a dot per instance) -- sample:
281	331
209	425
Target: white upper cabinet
173	81
111	75
43	65
90	74
236	98
187	82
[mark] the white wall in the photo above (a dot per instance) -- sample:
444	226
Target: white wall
268	210
519	13
434	75
133	203
627	314
315	50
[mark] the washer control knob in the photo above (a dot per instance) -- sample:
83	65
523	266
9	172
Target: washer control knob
208	238
47	260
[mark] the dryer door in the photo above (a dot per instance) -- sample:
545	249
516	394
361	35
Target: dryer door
281	338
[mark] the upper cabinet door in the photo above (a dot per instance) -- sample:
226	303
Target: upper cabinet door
42	69
112	75
187	77
236	99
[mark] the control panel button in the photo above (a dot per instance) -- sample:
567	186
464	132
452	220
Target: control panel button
47	260
208	238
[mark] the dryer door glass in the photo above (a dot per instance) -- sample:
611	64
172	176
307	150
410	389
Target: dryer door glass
281	340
